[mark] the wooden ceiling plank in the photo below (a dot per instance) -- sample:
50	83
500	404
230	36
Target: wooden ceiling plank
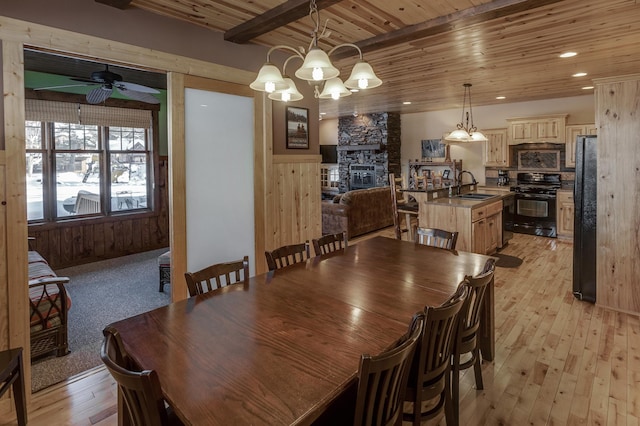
279	16
441	24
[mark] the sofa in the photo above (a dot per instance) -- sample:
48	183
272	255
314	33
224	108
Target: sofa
358	212
49	304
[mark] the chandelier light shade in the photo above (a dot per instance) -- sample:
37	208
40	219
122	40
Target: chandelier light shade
316	69
466	131
334	88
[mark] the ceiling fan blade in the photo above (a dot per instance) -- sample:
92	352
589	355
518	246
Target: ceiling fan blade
86	80
138	96
136	87
99	94
60	87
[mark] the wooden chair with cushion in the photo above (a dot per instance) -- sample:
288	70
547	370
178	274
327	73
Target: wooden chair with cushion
401	207
140	390
436	237
382	380
216	276
430	375
329	243
287	255
468	329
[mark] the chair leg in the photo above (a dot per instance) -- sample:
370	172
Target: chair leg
455	387
449	414
477	369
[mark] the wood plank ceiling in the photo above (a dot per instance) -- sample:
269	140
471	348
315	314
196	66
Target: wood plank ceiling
424	50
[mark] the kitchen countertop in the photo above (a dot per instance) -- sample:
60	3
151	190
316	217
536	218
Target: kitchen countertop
464	203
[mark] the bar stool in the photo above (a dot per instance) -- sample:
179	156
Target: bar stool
12	373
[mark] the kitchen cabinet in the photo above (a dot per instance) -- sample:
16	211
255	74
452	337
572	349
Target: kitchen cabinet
565	213
496	149
548	128
479	227
572	132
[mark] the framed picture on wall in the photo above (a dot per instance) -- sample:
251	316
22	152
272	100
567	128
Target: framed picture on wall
297	128
433	148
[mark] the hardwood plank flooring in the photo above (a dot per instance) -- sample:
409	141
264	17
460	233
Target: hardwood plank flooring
558	360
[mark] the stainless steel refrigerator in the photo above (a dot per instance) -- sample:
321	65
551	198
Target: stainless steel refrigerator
584	237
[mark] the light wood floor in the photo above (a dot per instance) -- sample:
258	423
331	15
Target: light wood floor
558	360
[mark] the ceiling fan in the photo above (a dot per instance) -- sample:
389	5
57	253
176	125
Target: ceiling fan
107	81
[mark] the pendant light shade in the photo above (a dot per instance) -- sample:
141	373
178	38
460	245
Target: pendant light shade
317	66
269	79
362	77
290	94
334	89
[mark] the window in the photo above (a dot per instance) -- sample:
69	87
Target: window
77	170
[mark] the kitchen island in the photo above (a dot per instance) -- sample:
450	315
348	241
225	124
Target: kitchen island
476	216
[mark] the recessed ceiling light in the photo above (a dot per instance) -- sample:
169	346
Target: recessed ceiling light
501	97
587	88
354	90
406	103
568	54
323	113
580	74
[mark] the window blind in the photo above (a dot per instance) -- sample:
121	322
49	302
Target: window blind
70	112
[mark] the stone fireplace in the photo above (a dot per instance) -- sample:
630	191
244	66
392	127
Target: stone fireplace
368	150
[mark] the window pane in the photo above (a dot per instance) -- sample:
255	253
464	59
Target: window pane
75	136
33	133
35	198
77	184
127	139
129	181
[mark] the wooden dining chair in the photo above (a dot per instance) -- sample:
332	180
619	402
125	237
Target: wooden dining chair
329	243
400	207
140	390
383	378
436	237
216	276
430	374
287	255
467	340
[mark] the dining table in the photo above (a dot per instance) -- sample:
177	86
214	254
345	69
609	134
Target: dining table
285	345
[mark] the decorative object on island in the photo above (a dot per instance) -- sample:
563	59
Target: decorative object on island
316	68
435	168
297	128
466	131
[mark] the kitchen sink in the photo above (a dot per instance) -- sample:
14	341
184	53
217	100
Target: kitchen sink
475	196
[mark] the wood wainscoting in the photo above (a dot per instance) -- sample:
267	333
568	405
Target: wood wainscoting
74	242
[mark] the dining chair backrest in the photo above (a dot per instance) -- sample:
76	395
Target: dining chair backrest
429	378
400	205
467	340
287	255
329	243
383	378
140	390
216	276
436	237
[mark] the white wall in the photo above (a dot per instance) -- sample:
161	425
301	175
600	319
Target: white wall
432	125
328	132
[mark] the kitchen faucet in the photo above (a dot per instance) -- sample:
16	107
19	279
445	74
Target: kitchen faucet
473	179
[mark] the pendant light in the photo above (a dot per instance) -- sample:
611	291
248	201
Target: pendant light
465	131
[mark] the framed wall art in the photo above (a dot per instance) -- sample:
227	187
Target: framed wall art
297	128
433	148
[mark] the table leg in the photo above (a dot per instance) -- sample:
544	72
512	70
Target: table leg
487	325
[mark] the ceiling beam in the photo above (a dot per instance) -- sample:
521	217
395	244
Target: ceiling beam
120	4
279	16
473	15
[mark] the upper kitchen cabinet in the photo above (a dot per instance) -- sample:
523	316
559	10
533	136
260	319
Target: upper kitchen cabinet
496	149
572	133
548	128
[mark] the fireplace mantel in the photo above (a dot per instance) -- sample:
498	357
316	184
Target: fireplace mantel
369	147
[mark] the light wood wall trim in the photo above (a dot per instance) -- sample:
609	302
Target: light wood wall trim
283	159
177	185
16	198
617	266
262	170
90	47
621	78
